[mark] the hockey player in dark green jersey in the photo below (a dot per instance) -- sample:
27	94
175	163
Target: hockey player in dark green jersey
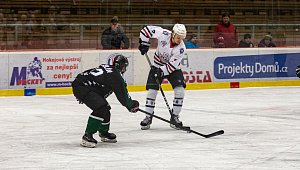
92	87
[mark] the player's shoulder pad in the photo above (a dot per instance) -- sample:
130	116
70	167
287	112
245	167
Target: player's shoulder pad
108	68
181	50
166	32
181	47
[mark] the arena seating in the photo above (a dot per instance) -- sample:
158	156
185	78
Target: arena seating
134	14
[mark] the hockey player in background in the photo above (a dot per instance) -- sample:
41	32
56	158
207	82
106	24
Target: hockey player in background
92	87
298	71
167	58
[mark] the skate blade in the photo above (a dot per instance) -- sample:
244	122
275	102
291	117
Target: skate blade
108	140
87	144
145	127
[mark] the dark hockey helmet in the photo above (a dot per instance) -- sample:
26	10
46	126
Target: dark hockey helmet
119	61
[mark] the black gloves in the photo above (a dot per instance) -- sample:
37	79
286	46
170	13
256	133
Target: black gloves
298	71
144	46
135	106
157	73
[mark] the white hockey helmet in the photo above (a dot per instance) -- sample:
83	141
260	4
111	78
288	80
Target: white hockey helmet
179	29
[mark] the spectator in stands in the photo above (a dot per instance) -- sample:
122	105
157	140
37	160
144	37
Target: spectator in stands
63	28
225	34
50	33
32	29
12	19
113	36
24	32
267	41
52	11
32	20
3	31
192	42
246	42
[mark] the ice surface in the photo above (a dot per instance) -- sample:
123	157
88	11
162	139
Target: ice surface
262	132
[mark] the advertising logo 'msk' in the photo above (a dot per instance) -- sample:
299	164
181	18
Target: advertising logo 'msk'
30	75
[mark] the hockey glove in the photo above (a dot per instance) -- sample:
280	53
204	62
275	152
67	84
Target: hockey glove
144	46
157	73
135	107
298	71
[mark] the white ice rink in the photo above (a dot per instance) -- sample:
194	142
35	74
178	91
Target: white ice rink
262	132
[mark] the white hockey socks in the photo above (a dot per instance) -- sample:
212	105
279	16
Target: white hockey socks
178	100
150	101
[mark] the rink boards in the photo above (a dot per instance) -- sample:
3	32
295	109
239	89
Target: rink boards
51	72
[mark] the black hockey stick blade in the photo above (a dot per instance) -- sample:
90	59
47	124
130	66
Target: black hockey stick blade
217	133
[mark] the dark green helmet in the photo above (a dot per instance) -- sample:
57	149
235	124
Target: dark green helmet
119	61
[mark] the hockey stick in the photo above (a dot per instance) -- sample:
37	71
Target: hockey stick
185	128
220	132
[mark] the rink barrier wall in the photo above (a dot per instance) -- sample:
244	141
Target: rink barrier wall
166	87
27	73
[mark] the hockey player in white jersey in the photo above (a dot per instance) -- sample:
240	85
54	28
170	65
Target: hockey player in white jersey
167	59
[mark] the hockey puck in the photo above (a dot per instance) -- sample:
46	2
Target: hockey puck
187	129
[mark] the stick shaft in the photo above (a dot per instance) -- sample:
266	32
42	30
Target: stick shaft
185	128
161	90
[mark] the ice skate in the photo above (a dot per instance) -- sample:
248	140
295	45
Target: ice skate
108	137
145	124
175	119
88	140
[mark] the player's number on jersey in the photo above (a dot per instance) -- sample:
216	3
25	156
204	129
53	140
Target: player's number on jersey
96	72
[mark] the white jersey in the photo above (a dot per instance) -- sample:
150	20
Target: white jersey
166	57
